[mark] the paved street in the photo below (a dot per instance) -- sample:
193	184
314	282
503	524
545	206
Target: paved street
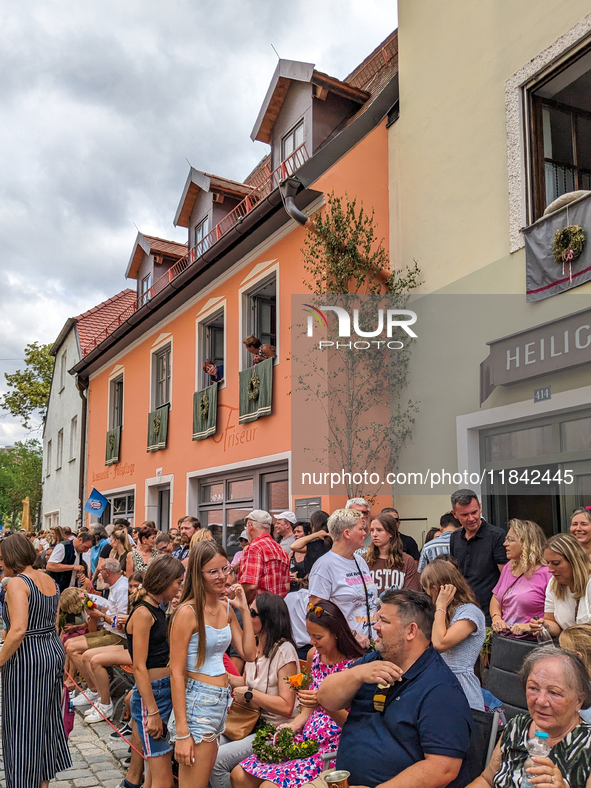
95	759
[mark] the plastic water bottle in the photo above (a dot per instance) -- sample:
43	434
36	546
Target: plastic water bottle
537	747
544	637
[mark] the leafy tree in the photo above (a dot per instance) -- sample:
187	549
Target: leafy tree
359	392
20	476
29	387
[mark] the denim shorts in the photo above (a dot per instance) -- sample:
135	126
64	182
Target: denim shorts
207	709
139	713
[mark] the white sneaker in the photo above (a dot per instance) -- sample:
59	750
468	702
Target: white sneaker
94	716
80	700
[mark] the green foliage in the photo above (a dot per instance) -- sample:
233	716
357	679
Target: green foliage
359	392
343	255
29	387
272	746
20	476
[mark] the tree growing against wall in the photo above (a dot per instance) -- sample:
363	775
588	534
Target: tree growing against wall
20	476
29	387
359	392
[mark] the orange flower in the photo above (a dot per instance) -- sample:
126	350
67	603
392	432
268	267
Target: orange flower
296	681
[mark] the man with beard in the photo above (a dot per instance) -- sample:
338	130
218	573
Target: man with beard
188	526
409	722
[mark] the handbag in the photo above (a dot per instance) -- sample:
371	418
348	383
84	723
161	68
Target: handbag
242	718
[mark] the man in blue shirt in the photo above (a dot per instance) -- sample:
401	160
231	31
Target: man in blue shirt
409	723
440	545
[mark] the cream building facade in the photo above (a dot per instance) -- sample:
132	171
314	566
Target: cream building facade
494	123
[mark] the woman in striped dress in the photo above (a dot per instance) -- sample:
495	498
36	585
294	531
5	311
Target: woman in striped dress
32	670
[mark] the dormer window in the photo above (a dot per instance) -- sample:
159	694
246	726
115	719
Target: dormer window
292	140
200	231
146	285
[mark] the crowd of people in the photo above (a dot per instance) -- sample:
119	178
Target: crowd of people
339	630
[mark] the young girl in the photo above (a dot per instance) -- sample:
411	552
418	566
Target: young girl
147	642
389	566
334	649
459	626
202	629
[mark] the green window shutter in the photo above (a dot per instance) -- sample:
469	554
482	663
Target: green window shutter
205	409
256	391
158	428
113	445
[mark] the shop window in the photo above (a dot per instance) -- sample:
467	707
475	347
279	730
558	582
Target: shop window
576	435
224	501
161	376
561	133
532	442
119	505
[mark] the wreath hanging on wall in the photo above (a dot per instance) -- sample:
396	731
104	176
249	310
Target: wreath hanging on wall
156	425
204	407
273	746
111	441
254	388
568	244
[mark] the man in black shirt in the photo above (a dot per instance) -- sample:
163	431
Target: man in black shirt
477	546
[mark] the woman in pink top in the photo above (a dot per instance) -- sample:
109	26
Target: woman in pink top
519	595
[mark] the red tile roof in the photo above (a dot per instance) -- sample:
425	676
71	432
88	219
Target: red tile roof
95	320
162	246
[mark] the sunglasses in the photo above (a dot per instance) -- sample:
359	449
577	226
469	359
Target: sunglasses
317	610
253	613
379	699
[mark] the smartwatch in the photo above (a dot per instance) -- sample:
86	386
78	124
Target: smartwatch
248	696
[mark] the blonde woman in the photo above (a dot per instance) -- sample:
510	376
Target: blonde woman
568	596
202	535
119	548
520	593
458	627
202	629
580	528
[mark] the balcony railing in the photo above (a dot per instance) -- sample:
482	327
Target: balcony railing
264	185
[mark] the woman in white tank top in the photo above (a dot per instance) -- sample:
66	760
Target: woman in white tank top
202	628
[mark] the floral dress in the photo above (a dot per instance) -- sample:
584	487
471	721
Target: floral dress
319	726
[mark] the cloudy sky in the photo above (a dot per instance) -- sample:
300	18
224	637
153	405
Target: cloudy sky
102	104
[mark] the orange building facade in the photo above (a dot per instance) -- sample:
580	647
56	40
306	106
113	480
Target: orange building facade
242	264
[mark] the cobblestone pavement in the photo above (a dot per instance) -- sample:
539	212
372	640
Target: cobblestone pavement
95	758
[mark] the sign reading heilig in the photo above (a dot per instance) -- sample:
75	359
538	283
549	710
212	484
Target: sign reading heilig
344	320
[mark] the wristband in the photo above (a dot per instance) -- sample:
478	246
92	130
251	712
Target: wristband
495	614
440	609
152	713
182	738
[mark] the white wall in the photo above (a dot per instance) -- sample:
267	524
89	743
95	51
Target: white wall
60	486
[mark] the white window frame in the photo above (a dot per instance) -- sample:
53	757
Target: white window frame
51	519
518	122
48	453
145	286
201	324
73	438
151	496
59	455
63	369
118	375
200	230
154	352
291	134
244	310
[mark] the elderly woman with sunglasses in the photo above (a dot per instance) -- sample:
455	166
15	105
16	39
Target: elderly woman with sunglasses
334	649
263	685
